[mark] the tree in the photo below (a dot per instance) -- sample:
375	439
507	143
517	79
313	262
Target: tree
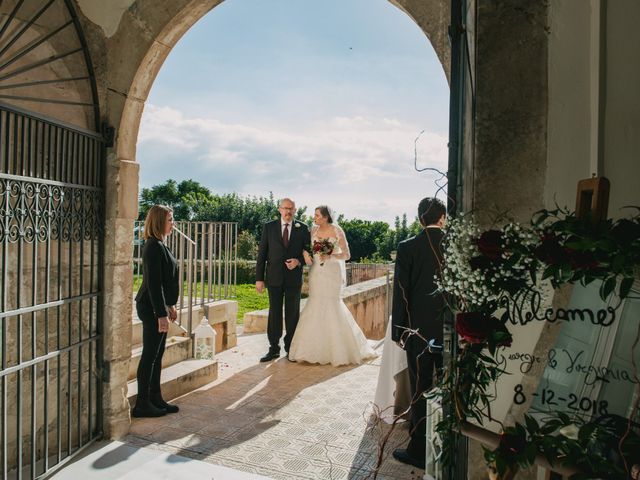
364	236
181	197
373	240
247	246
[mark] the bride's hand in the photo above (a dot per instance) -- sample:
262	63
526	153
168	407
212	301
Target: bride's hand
307	258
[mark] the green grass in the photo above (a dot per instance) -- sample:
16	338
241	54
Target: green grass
246	296
250	300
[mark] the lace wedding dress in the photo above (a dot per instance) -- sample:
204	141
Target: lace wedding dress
326	331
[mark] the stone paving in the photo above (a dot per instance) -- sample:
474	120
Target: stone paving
283	420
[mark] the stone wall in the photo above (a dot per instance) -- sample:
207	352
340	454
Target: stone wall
510	125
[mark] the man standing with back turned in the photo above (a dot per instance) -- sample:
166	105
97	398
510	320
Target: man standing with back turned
418	306
280	253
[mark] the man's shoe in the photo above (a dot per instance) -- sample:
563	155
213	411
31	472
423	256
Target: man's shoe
401	455
158	402
270	356
146	409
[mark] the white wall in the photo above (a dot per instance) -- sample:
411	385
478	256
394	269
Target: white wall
622	110
579	106
569	106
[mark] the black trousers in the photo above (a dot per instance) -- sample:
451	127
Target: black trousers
421	367
153	343
291	296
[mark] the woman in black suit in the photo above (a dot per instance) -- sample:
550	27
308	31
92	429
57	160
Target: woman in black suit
155	304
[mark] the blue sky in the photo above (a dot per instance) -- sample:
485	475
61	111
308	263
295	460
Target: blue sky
319	101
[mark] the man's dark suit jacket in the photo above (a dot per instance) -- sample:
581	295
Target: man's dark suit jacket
272	254
415	301
159	277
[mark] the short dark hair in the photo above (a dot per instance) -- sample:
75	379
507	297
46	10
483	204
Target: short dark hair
430	210
324	211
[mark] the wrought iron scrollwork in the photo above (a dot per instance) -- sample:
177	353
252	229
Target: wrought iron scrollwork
33	211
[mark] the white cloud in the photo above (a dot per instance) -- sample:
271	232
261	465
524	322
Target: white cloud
363	163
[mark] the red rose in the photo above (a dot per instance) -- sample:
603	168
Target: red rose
490	244
512	443
478	328
581	260
549	250
473	327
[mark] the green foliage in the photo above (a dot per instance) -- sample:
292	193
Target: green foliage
245	271
566	249
192	201
180	196
250	212
590	446
247	246
580	250
364	237
372	240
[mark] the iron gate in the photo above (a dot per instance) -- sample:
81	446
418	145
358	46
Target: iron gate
51	230
51	227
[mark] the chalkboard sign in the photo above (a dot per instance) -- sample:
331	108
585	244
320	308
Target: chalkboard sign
589	369
585	368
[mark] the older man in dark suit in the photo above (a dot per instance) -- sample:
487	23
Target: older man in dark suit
280	260
418	306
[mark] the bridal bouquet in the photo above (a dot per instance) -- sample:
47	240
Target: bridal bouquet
323	247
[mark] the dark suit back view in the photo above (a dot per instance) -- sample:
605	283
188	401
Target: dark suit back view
281	282
416	305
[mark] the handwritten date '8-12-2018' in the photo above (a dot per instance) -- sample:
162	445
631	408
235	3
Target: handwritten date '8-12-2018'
549	398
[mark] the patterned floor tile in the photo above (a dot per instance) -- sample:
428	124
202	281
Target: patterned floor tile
282	420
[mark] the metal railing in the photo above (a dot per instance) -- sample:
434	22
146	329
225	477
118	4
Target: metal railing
206	254
361	272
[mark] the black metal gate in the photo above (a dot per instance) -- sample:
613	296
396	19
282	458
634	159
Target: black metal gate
51	210
51	231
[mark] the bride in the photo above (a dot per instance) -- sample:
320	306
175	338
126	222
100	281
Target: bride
326	331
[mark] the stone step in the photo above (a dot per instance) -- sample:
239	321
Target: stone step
176	350
136	332
180	379
175	330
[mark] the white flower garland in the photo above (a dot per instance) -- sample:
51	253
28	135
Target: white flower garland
478	289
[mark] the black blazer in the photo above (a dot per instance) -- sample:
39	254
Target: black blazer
272	254
159	277
415	301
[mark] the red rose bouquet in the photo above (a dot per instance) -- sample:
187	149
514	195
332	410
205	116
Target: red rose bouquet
323	247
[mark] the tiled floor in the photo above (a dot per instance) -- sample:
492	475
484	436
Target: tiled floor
282	420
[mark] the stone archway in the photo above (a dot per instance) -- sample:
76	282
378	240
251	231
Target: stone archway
129	80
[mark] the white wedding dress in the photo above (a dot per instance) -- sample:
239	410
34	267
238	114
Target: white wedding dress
327	332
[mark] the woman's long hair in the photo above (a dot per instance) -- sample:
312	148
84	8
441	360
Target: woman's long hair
156	222
325	211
